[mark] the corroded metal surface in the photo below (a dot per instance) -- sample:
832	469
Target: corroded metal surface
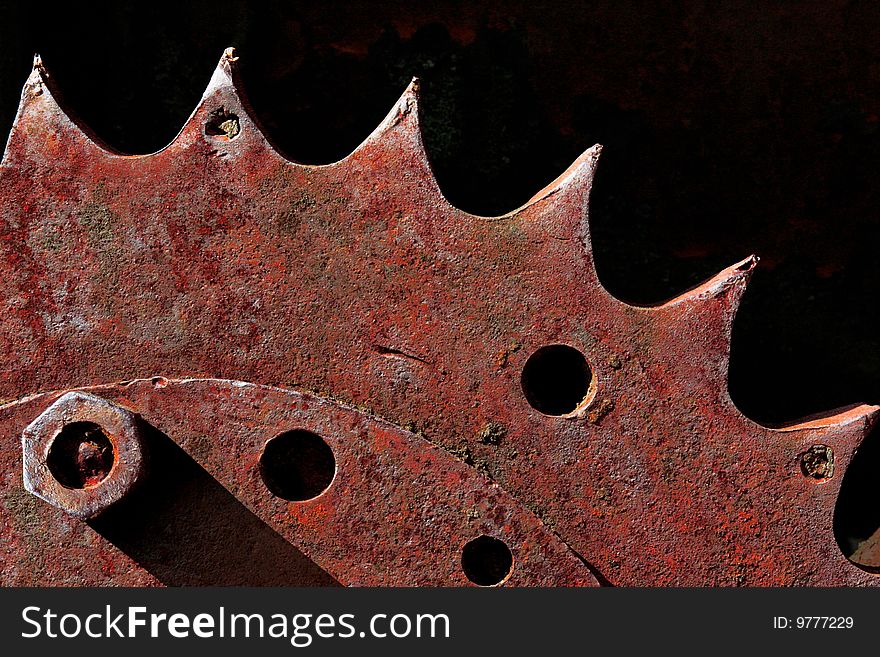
218	257
84	498
397	511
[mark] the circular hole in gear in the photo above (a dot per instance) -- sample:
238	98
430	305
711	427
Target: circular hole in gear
556	379
81	455
486	561
297	465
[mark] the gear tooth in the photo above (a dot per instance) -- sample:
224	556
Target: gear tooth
224	112
697	326
855	418
727	287
401	127
562	207
225	74
843	428
579	175
398	141
38	113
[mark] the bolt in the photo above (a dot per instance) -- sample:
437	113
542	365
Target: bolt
223	124
82	454
818	462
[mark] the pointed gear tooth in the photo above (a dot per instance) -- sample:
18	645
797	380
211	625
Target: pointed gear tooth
728	285
397	144
696	328
401	126
224	113
579	174
42	128
224	74
561	209
855	417
843	430
35	83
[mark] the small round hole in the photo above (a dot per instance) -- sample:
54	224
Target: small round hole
297	465
223	124
556	379
486	561
81	456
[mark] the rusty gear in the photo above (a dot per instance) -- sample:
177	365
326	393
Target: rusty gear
519	400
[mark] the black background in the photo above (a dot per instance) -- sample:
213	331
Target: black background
729	129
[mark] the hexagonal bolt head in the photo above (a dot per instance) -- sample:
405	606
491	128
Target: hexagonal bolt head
82	454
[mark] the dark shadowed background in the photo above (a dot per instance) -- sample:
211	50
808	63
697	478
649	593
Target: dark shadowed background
729	129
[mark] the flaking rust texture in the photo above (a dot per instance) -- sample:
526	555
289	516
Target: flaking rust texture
396	511
217	257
